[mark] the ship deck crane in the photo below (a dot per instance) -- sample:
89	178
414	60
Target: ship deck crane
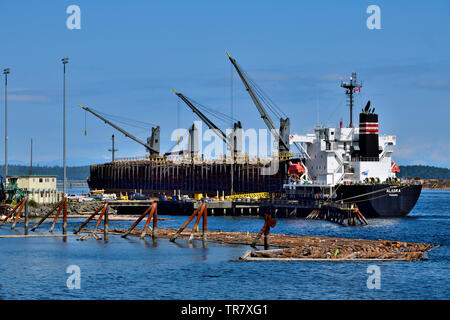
284	147
207	121
204	118
153	150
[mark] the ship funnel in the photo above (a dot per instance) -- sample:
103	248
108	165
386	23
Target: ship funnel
368	134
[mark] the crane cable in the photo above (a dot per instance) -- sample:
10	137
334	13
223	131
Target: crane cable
126	121
212	112
276	110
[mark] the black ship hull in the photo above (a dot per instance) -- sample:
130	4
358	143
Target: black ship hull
151	177
382	200
373	200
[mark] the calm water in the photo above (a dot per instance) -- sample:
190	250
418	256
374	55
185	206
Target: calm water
35	268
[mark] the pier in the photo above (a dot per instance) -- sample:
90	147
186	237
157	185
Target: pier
344	214
186	208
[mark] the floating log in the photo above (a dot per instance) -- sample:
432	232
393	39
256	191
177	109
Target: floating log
112	217
310	248
35	236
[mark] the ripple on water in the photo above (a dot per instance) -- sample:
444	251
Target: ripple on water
35	268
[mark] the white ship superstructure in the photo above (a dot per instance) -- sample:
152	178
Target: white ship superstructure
331	156
350	166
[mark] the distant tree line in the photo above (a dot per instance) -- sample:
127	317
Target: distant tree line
424	172
72	173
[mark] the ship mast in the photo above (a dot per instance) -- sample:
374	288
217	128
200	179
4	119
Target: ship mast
351	87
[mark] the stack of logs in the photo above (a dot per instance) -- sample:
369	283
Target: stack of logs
290	247
307	247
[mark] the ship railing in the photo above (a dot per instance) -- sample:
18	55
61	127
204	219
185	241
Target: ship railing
365	159
198	159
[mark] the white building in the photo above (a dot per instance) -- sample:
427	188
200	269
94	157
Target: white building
40	188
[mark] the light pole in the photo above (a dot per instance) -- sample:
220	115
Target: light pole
6	72
64	61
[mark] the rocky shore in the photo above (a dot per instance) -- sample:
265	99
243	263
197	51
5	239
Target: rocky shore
73	208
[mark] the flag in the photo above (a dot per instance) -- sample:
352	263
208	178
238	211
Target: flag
357	90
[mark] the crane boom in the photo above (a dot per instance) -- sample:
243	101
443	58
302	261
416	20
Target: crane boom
258	104
204	118
127	134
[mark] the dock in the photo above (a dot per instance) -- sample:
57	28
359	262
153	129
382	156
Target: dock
315	209
186	208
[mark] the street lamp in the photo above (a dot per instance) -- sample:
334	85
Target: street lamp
6	72
64	61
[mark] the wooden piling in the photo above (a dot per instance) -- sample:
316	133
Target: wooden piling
149	218
105	207
194	228
61	206
187	222
360	215
106	224
205	224
268	223
137	222
46	216
266	240
10	213
26	218
155	223
88	219
19	211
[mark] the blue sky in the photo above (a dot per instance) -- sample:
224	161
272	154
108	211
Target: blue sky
127	57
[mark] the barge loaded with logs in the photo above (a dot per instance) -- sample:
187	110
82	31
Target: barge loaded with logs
345	166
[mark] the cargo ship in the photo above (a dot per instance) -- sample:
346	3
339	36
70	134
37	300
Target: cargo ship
352	165
344	165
